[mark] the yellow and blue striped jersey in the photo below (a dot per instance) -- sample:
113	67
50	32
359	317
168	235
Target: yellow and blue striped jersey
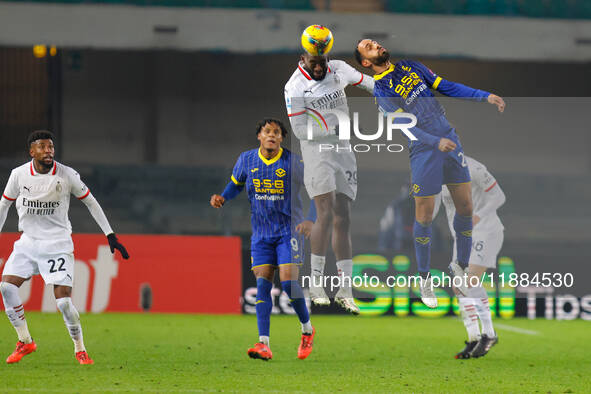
406	87
273	189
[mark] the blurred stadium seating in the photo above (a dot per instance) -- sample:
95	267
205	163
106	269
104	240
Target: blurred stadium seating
570	9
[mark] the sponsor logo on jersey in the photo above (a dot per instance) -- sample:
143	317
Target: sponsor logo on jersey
422	87
267	197
329	100
40	207
280	172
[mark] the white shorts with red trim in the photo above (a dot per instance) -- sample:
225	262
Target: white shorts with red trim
53	259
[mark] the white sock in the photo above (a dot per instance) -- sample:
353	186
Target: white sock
483	309
264	340
72	320
307	327
15	311
345	271
317	267
470	317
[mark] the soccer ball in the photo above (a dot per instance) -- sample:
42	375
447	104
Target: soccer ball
317	40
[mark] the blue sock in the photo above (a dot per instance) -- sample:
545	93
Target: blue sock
296	297
422	235
463	229
264	305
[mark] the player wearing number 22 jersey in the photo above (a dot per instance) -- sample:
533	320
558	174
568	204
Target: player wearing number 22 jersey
273	177
436	157
41	189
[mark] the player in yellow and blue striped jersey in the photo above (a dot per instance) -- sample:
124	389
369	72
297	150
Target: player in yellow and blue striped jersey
437	157
273	177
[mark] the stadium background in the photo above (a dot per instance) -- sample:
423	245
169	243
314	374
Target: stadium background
152	101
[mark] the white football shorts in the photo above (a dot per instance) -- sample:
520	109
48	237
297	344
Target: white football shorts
485	248
53	259
329	171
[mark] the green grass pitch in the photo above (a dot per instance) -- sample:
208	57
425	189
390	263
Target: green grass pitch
180	353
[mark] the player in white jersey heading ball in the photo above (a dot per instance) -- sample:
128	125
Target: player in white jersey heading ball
487	240
41	189
330	176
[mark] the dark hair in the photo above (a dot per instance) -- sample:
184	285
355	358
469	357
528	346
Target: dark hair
263	122
358	56
40	135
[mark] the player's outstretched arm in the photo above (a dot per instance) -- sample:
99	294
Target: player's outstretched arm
101	219
454	89
354	77
233	188
496	100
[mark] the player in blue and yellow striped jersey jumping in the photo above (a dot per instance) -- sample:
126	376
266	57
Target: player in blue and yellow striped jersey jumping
436	158
273	177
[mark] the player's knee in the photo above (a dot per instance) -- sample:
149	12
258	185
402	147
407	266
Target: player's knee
62	292
68	310
324	217
7	289
3	289
464	208
341	222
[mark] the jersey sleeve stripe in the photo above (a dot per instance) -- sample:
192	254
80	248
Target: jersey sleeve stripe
85	195
361	80
8	198
236	181
297	113
491	186
436	83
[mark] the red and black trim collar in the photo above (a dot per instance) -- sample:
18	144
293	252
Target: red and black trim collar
33	172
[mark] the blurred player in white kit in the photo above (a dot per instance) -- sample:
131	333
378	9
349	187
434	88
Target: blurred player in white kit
487	240
41	189
330	176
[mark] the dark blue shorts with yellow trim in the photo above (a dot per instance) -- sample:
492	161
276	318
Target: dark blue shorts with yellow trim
431	168
276	251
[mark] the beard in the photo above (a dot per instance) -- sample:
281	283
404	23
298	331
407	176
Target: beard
320	78
44	165
380	60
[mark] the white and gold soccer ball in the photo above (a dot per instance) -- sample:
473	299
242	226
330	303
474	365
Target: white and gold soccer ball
317	40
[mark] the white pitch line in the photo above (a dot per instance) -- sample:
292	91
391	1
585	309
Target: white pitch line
516	329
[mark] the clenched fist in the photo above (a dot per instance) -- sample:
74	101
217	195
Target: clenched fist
217	201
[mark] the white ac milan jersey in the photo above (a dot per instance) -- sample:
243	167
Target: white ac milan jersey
306	97
482	184
43	200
